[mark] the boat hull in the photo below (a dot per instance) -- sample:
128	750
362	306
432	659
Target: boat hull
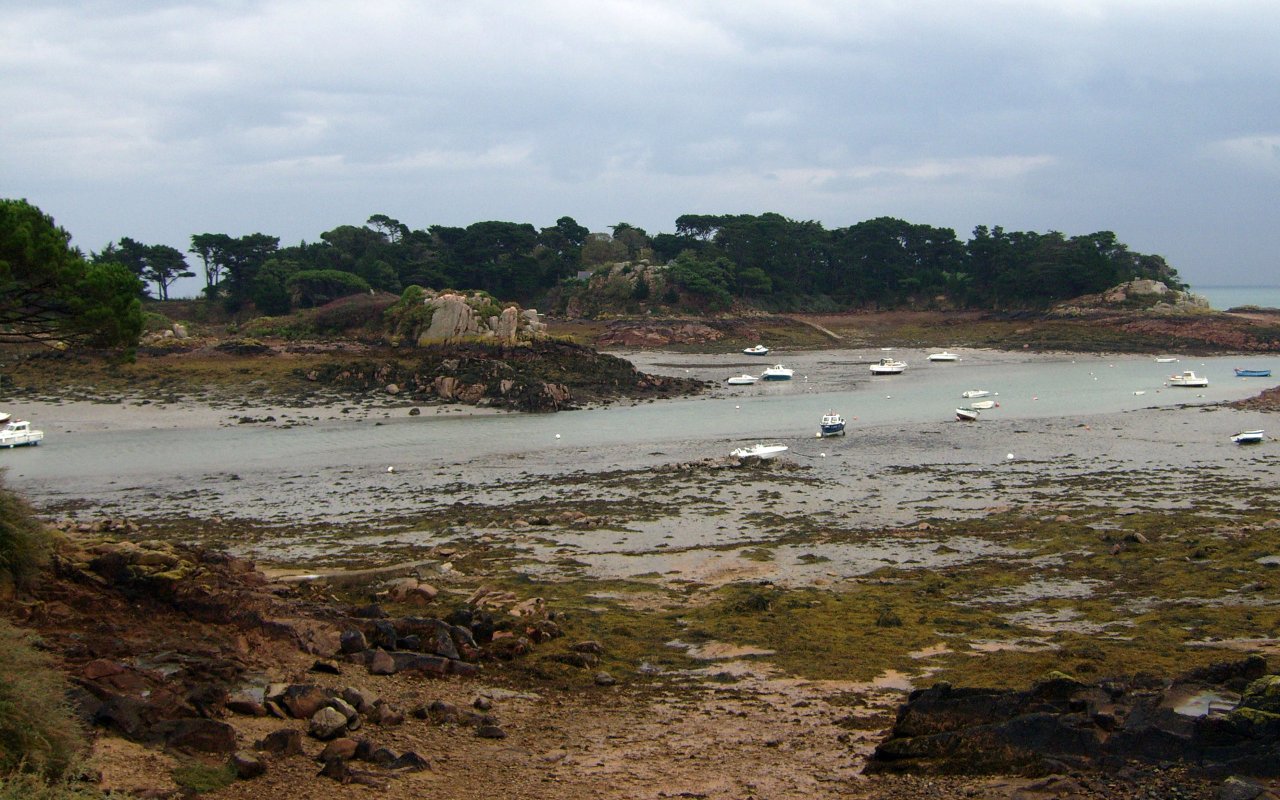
966	415
833	430
1248	437
1253	373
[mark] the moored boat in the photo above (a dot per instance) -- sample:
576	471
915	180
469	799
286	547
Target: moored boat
832	425
18	432
757	350
1252	373
760	451
970	394
888	366
943	356
983	405
741	380
1166	359
967	414
777	373
1248	437
1188	379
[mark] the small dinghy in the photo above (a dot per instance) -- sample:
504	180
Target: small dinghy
1248	437
760	451
757	350
943	356
972	394
967	414
742	380
1252	373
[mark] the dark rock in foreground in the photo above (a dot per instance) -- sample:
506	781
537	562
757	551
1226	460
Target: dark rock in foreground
1198	720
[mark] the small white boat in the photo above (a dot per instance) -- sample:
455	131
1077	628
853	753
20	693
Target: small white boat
943	356
760	451
970	394
777	373
967	414
888	366
983	405
832	425
741	380
1166	359
17	433
1248	437
1189	379
757	350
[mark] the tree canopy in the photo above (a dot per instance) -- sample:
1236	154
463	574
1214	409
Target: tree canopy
49	292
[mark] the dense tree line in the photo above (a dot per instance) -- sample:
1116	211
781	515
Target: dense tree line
712	262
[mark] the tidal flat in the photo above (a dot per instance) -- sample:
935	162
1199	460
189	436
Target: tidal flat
839	575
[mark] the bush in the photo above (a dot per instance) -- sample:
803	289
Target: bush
24	542
38	733
30	787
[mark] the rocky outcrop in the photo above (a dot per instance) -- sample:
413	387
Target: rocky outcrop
541	375
1147	295
1224	719
423	318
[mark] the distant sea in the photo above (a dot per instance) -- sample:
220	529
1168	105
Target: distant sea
1223	297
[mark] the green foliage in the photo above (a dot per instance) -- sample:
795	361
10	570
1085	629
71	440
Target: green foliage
198	777
707	281
48	291
38	733
409	314
24	542
25	786
357	311
310	288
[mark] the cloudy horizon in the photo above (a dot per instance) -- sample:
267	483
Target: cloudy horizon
1159	121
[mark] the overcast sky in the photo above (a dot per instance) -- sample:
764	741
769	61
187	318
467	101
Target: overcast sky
157	120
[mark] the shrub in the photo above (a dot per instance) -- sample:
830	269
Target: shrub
198	777
25	786
24	542
38	733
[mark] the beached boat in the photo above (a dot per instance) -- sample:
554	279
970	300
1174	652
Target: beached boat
943	356
741	380
1252	373
1166	359
967	414
1188	379
1248	437
17	433
761	451
777	373
757	350
983	405
888	366
970	394
832	424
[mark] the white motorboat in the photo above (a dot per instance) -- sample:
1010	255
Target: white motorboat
888	366
760	451
832	425
970	394
1188	379
983	405
1248	437
777	373
742	380
1166	359
943	356
757	350
17	433
967	414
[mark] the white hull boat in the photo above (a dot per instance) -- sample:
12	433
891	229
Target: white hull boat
760	451
758	350
17	433
967	414
1166	359
832	425
888	366
777	373
983	405
1248	437
971	394
742	380
943	356
1188	379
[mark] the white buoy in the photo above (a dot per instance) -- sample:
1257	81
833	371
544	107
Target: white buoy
824	455
557	436
737	406
1009	456
391	469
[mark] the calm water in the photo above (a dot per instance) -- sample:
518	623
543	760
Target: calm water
83	463
1224	297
